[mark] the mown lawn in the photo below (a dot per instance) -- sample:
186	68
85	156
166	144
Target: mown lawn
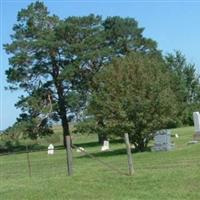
158	175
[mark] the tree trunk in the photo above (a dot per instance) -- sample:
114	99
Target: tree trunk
141	146
65	127
63	113
64	120
101	138
101	135
62	110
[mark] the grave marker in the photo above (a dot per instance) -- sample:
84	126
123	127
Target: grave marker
105	146
162	141
50	149
196	118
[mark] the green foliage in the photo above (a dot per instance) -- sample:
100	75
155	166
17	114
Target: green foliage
57	57
86	126
46	56
25	128
186	86
134	96
124	36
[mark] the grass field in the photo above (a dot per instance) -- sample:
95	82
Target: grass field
158	175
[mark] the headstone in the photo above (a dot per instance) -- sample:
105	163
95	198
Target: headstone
50	149
132	146
105	146
162	141
196	118
80	149
193	142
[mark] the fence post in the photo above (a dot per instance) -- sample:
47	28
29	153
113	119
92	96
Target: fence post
128	149
28	161
69	155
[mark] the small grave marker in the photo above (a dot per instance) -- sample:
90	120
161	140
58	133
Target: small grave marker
80	149
192	142
105	146
50	149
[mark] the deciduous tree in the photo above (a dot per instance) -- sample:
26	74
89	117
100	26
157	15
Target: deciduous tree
185	84
134	95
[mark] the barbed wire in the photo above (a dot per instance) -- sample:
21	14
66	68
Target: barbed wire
20	166
100	161
57	168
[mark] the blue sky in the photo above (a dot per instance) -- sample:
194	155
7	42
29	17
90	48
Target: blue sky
173	24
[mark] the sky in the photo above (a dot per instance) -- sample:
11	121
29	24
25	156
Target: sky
173	24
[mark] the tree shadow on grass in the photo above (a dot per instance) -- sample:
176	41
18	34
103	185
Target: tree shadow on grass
115	152
96	144
21	148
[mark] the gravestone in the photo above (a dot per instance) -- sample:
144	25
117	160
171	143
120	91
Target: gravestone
105	146
80	149
162	141
193	142
176	135
50	149
196	118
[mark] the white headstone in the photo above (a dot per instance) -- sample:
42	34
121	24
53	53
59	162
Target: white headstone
105	146
80	149
132	146
176	135
193	142
50	149
196	118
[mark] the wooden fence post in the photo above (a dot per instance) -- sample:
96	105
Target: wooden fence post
69	155
128	149
28	161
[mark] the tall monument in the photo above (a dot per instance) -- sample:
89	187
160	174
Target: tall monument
196	118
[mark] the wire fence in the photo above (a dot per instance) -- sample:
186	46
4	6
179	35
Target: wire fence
39	164
31	163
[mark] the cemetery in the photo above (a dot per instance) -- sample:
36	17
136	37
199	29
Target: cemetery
96	106
170	170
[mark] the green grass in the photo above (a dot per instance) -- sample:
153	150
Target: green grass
158	175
